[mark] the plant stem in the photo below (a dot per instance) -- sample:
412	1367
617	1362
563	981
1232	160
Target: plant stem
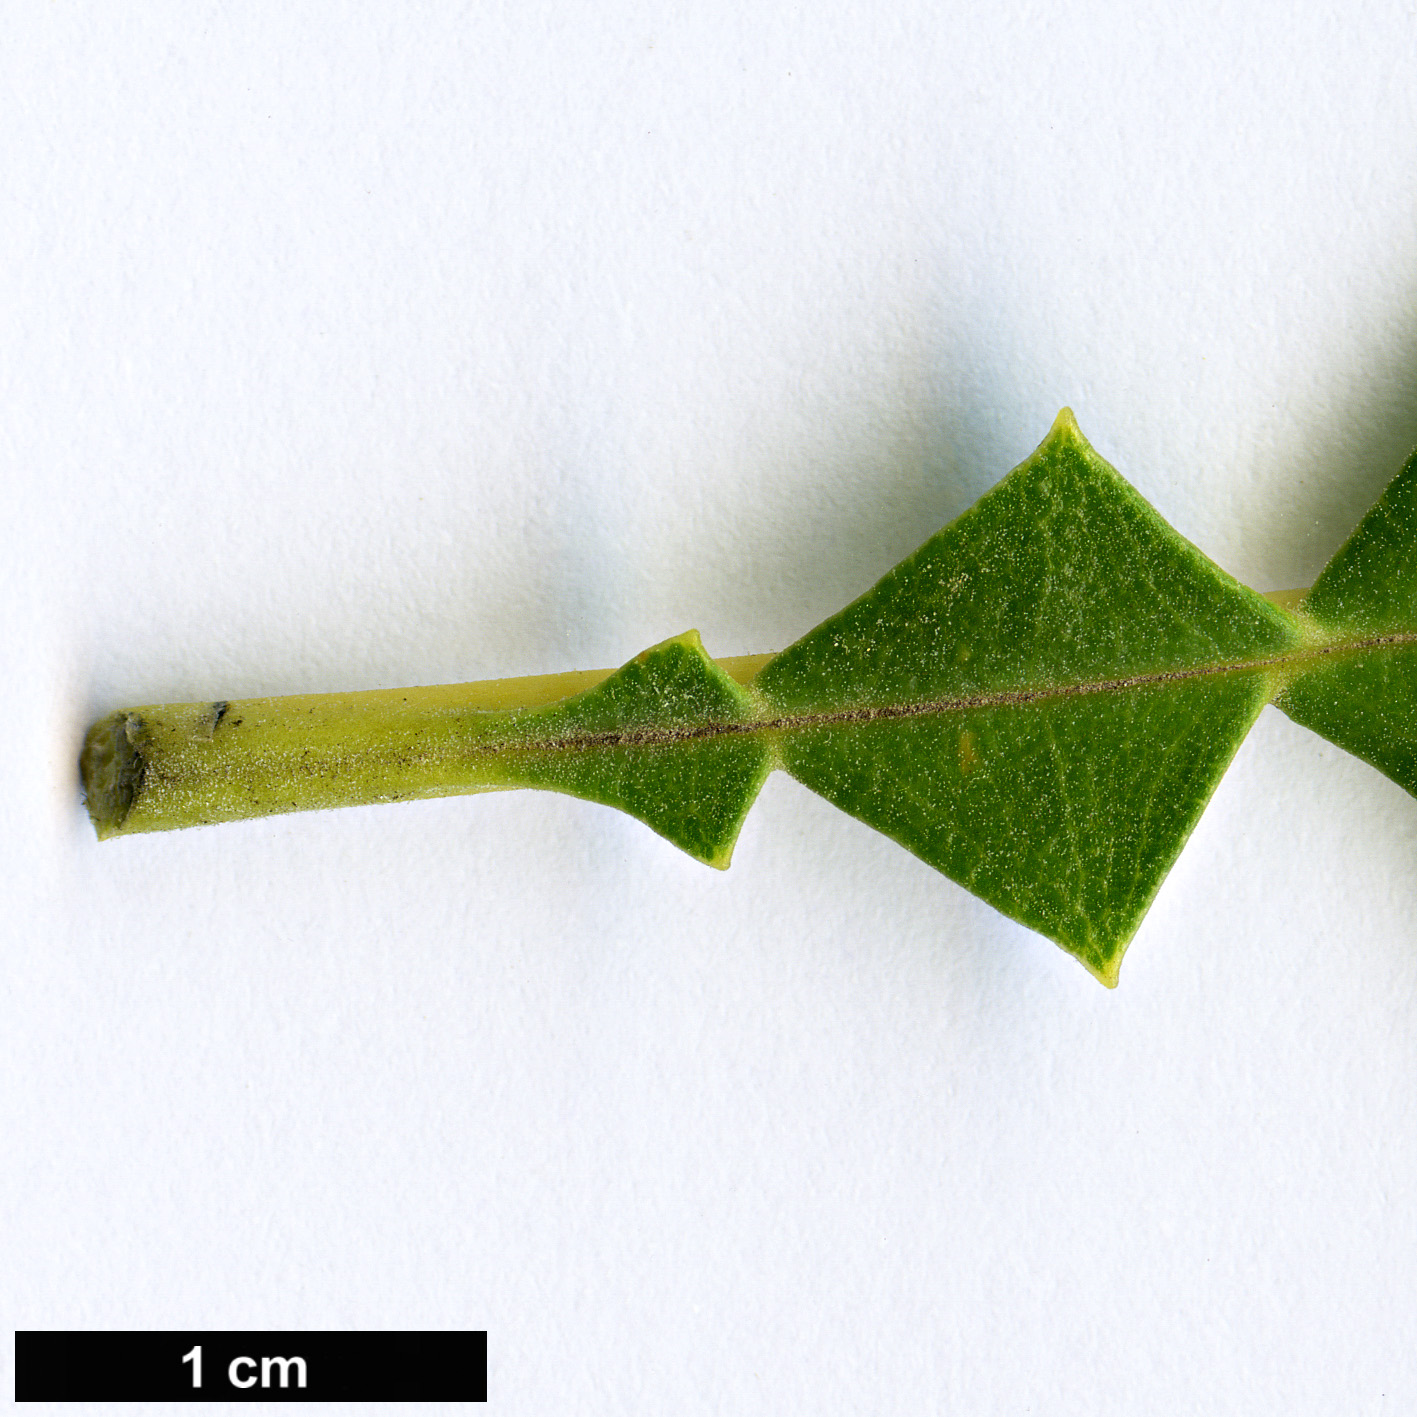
163	766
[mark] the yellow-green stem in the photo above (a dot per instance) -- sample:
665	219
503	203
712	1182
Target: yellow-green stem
163	766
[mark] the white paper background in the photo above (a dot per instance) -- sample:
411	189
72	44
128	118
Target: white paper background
348	346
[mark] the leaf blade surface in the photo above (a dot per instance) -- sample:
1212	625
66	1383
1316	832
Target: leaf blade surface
1361	693
667	738
1045	696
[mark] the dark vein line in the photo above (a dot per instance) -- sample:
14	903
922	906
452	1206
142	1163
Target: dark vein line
651	736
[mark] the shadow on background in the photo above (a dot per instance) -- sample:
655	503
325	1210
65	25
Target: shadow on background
1342	454
837	482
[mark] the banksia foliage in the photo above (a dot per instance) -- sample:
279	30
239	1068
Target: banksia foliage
1039	703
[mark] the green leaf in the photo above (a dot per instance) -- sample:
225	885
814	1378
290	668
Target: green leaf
656	739
1040	701
1358	686
665	738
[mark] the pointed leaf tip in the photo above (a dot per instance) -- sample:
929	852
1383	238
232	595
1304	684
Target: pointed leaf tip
1109	975
1065	425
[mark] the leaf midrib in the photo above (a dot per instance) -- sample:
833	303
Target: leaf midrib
651	736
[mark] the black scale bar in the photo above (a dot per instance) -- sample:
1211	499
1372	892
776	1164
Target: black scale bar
286	1366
